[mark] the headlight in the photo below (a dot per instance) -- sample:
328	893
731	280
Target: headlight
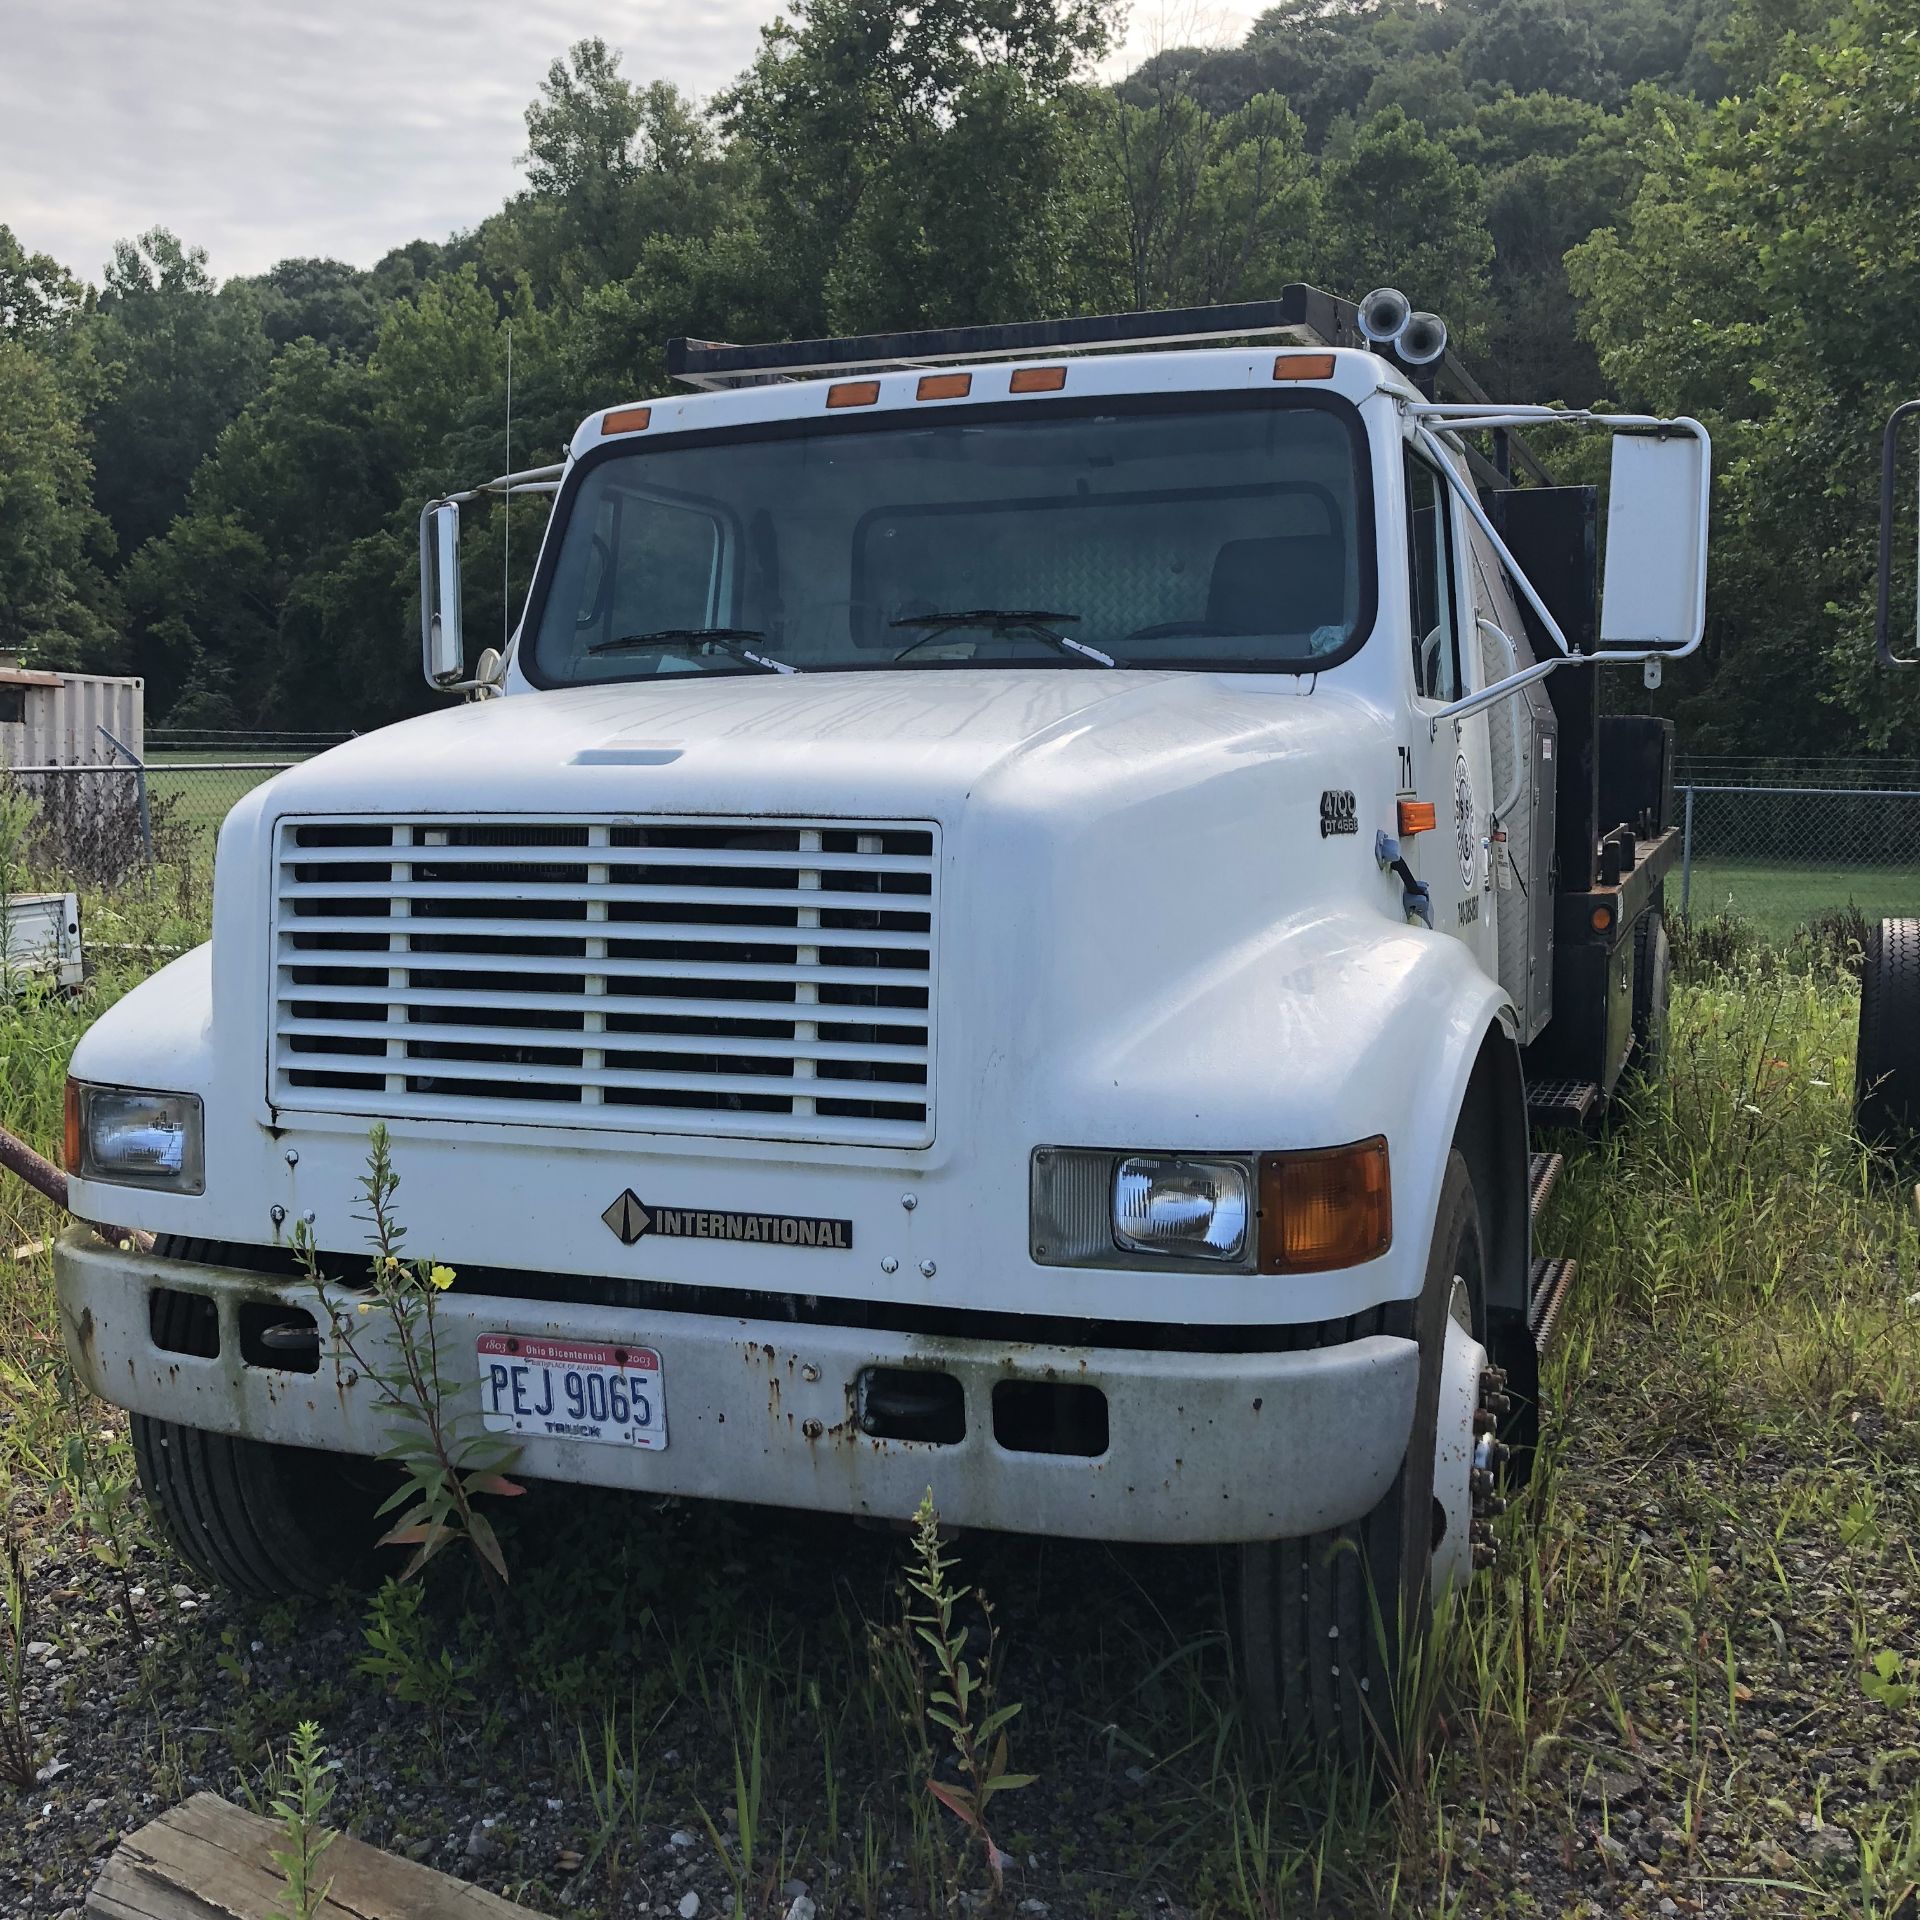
1162	1211
1311	1211
135	1138
1193	1207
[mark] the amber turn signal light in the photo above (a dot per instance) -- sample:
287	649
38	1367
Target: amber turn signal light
1327	1208
627	420
853	393
70	1133
1417	816
1303	366
944	386
1600	919
1037	380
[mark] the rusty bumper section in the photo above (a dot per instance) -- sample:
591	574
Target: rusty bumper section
1193	1446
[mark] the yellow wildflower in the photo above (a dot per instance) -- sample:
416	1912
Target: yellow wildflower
442	1278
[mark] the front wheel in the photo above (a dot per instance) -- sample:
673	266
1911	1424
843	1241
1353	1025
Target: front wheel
1331	1625
264	1521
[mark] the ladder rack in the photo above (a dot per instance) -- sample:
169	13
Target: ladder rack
1300	315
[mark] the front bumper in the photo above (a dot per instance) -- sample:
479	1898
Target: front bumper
1202	1447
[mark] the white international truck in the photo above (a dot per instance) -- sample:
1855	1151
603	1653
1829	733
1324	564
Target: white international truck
1000	926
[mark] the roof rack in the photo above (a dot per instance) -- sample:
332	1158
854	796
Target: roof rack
1300	314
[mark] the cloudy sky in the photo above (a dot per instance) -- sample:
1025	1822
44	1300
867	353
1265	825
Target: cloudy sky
258	129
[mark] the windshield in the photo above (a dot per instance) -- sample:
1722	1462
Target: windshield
1228	531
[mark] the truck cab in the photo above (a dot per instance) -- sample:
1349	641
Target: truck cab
993	930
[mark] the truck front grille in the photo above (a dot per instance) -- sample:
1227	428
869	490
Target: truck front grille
772	978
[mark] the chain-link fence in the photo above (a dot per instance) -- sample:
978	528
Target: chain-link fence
1784	845
93	825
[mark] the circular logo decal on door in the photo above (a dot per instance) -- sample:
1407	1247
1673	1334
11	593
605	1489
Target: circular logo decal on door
1463	833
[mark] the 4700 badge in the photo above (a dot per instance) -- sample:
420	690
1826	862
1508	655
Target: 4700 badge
572	1390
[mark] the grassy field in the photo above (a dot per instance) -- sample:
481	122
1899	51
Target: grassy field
196	801
1689	1686
1776	897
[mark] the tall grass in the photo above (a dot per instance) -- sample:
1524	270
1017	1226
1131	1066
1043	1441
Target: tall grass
62	1457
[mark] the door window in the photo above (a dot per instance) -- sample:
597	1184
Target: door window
1436	640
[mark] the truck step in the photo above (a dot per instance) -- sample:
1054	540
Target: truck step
1543	1171
1569	1104
1551	1284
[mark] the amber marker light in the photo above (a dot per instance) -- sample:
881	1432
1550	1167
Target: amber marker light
1327	1208
1303	366
1416	816
1600	919
627	420
853	393
944	386
70	1140
1037	380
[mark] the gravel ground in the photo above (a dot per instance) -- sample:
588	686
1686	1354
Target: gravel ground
1699	1745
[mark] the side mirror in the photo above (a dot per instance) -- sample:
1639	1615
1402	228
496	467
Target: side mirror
1653	588
443	650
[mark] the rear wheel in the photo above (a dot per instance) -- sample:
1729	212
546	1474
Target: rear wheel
265	1521
1652	980
1328	1623
1886	1080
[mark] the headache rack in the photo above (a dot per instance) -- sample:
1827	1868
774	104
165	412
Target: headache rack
1300	315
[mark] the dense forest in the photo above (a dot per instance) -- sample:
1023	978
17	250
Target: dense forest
1699	206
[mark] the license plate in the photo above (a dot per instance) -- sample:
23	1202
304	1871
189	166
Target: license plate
572	1390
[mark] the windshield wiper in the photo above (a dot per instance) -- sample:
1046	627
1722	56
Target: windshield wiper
729	640
998	620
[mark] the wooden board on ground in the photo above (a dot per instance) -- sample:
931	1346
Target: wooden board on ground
208	1860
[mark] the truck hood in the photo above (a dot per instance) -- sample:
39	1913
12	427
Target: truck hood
909	744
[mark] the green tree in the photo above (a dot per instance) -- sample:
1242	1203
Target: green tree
54	602
1766	281
610	165
326	301
1397	208
914	162
40	301
182	357
1535	46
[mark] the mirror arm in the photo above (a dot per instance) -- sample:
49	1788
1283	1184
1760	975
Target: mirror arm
1470	500
528	480
1459	709
1883	593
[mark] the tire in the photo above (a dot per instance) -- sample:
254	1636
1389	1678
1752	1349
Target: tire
1326	1622
266	1522
1886	1078
1652	980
